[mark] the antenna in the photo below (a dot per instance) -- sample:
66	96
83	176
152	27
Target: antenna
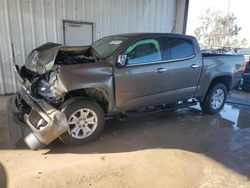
173	29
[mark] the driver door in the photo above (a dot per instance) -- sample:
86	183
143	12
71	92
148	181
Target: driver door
139	82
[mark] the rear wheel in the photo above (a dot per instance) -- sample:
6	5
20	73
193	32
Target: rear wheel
246	88
86	122
215	99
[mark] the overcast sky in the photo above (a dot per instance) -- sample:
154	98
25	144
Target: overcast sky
241	8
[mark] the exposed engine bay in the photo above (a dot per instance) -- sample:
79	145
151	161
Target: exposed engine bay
70	55
43	65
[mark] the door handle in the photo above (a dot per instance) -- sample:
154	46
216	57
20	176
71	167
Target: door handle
160	70
195	66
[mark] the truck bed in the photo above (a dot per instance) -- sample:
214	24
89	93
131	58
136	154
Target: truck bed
216	65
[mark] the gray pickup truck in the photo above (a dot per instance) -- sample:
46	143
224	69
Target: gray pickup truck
68	92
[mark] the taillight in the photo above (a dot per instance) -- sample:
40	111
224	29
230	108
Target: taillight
245	66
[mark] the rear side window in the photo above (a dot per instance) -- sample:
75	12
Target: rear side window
180	48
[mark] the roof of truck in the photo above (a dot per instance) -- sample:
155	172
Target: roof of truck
152	34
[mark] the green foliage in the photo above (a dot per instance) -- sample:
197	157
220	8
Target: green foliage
218	30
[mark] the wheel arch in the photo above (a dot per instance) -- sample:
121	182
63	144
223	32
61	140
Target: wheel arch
98	94
227	80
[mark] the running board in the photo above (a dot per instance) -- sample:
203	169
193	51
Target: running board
151	110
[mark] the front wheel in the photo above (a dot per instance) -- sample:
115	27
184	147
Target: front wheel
86	121
215	99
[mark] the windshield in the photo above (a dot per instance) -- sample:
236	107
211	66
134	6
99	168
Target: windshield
107	45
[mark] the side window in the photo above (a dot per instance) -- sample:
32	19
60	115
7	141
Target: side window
143	51
180	48
165	48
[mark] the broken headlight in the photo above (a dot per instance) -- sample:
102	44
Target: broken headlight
48	92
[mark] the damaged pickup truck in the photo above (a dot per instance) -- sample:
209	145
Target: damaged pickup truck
69	92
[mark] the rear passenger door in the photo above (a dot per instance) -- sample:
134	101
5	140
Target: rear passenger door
183	68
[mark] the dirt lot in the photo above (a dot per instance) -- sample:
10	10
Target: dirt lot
182	148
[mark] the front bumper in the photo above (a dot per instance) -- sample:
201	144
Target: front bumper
45	122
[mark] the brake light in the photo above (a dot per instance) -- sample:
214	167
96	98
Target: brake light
245	66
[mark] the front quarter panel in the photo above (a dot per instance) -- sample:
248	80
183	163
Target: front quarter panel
93	75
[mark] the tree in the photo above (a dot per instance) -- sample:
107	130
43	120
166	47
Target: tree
218	30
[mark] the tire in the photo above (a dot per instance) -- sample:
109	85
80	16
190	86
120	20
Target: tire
246	89
86	122
238	86
209	105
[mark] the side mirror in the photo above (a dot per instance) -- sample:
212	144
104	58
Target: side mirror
121	60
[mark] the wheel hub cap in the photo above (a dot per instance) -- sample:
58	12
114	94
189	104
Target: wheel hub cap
217	99
82	123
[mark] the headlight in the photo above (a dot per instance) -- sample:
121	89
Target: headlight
44	87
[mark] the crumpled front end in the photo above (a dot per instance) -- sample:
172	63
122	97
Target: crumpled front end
41	59
43	90
45	121
42	69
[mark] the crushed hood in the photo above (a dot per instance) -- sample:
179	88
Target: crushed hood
42	59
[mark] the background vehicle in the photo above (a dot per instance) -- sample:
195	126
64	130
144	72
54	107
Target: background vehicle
68	92
245	85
